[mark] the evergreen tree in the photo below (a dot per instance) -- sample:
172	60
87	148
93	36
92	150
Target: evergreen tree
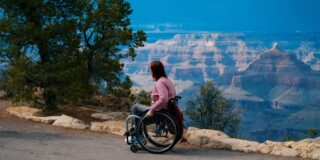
64	49
210	110
105	32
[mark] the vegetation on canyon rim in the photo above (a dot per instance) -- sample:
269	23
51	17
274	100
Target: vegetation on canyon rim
60	52
210	110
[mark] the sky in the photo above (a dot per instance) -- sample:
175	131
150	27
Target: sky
156	16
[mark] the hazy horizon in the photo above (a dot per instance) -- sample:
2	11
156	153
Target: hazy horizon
226	16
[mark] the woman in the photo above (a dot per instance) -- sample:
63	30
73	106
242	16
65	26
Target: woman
162	92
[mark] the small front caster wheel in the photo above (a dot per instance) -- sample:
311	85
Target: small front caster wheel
134	148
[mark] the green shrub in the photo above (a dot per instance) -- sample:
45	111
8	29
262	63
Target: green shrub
210	110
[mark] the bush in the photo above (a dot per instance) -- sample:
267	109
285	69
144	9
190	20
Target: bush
210	110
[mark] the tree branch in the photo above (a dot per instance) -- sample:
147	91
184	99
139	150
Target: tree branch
5	4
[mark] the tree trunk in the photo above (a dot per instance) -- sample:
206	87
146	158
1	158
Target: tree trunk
50	101
48	96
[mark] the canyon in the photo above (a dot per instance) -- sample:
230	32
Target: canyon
274	79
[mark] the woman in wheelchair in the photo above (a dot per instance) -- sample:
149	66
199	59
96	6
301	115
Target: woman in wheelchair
157	128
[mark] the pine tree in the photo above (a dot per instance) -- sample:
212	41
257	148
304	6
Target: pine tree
104	29
64	49
210	110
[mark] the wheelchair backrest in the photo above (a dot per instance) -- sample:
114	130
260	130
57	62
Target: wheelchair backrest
174	110
173	102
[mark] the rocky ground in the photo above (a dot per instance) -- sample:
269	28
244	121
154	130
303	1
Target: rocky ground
21	139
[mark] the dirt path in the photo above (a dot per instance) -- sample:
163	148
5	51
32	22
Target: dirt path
24	140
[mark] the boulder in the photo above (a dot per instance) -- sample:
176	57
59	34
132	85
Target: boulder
307	150
110	116
70	122
317	140
315	154
113	127
46	120
307	140
310	140
23	111
102	116
184	136
242	145
284	151
216	139
303	148
206	138
265	148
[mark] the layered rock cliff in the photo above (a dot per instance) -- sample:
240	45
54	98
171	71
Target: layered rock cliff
271	86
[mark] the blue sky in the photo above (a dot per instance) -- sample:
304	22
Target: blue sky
226	15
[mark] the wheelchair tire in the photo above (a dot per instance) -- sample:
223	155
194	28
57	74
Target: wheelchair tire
157	147
134	148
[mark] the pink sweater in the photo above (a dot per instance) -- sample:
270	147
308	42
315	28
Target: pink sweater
162	92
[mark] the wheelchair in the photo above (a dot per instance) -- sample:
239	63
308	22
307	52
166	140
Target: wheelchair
157	134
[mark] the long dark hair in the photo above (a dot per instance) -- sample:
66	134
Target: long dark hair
157	70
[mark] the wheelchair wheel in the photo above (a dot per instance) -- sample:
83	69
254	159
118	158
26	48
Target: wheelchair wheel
160	131
134	148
